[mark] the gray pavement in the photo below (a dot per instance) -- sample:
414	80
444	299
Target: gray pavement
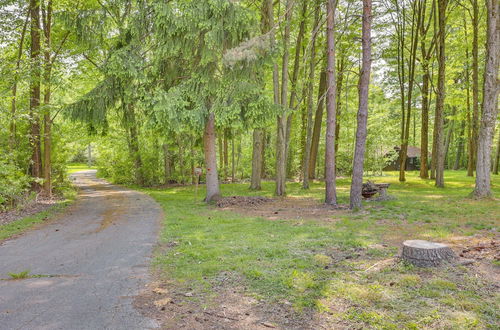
91	262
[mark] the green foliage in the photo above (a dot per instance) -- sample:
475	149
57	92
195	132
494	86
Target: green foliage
14	184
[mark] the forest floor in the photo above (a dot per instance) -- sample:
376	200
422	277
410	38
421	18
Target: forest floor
262	262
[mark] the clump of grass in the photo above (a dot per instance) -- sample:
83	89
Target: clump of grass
21	275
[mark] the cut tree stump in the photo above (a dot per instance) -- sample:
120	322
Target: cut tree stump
426	254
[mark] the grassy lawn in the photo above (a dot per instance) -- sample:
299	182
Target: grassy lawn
77	167
341	269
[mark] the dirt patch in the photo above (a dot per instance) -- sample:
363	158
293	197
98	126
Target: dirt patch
246	201
227	308
31	208
290	208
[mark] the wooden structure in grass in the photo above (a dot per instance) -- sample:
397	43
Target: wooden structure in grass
426	254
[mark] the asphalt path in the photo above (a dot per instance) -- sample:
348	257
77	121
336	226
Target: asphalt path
86	266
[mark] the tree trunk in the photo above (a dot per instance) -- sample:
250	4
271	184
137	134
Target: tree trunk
226	154
440	94
257	159
310	102
416	17
13	125
491	88
449	136
212	179
36	159
282	119
475	82
167	168
363	89
460	147
330	191
47	134
295	74
232	159
131	122
318	119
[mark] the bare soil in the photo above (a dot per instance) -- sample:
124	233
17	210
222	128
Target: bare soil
229	307
31	208
290	208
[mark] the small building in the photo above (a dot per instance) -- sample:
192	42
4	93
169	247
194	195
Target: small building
412	159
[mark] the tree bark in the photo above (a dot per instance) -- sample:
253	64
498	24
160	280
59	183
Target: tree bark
226	154
47	120
440	155
416	17
363	90
131	123
212	178
310	102
280	189
295	74
449	136
491	88
330	191
167	168
460	147
318	119
258	137
475	82
13	124
36	158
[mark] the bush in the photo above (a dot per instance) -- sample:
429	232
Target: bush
14	184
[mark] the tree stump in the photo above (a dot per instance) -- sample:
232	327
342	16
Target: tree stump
426	254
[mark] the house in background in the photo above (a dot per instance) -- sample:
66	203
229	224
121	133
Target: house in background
412	159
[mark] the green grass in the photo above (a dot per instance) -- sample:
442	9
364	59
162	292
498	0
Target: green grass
21	275
321	265
77	167
21	225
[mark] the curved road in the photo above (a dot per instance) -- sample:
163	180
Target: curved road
86	266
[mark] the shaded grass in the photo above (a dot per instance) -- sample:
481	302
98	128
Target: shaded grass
319	265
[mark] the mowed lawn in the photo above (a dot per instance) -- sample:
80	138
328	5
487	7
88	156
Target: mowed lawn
344	269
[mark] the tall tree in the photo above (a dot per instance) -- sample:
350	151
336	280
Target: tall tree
330	191
310	102
36	156
439	118
414	34
363	89
491	88
318	120
280	189
475	82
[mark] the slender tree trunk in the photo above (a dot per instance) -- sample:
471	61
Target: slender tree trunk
460	147
232	159
470	137
440	94
134	143
416	17
213	190
318	119
340	80
167	168
47	134
310	102
475	81
13	109
295	74
36	158
363	89
282	119
226	154
449	136
491	88
258	138
330	191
